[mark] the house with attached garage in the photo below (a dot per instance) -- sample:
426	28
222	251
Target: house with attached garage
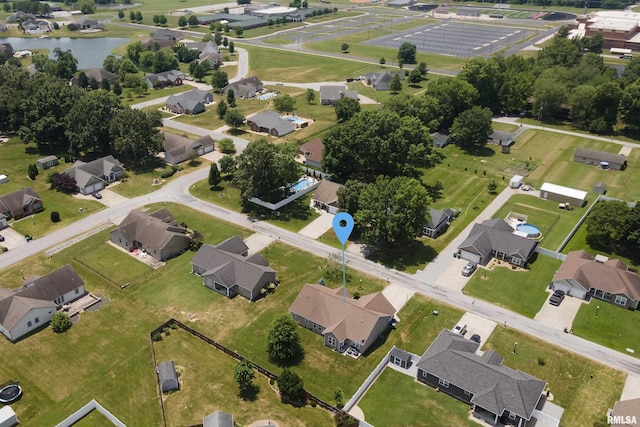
329	95
228	270
325	196
495	392
381	80
192	102
20	203
438	222
583	276
164	79
91	177
343	321
270	122
179	148
33	304
494	238
99	74
157	234
244	88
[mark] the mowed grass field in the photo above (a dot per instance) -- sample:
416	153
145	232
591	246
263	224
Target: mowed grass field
523	292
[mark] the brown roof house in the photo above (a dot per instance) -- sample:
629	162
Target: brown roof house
228	270
99	74
37	300
312	152
20	203
494	238
325	196
178	148
584	276
344	323
164	79
600	158
451	365
91	177
624	413
158	234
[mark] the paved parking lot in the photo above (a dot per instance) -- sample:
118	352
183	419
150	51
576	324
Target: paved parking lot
455	38
477	325
559	317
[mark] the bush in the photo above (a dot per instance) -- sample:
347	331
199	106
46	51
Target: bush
227	146
156	336
73	27
55	216
3	249
541	361
60	322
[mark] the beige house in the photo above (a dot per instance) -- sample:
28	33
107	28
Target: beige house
326	196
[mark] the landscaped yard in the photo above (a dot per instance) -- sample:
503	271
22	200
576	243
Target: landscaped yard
614	327
396	400
521	291
156	93
573	380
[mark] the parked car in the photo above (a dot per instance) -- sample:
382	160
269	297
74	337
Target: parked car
460	329
557	297
1	238
475	338
469	269
97	195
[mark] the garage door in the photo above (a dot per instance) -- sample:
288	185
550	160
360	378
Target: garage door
208	149
470	256
93	188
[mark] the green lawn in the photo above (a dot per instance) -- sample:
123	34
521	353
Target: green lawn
93	419
397	400
614	327
292	217
14	160
521	291
157	93
555	224
573	380
205	372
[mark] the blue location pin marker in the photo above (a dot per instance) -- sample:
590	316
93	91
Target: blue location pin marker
343	226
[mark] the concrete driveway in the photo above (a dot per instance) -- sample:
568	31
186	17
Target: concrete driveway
109	198
257	242
318	226
12	239
561	316
397	296
477	325
631	388
451	278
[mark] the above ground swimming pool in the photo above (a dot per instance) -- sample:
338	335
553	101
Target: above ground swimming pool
302	184
530	230
10	393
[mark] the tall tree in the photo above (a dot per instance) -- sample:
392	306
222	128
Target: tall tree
283	339
472	128
221	109
284	103
392	211
606	224
290	385
407	53
396	84
485	76
310	95
214	175
234	119
349	196
219	79
629	108
244	375
227	164
346	108
264	171
135	137
231	98
182	21
454	96
424	108
549	93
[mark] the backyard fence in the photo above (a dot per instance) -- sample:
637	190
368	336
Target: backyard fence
579	224
85	410
367	383
229	352
286	201
550	253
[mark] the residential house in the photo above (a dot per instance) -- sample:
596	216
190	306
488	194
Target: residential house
33	304
164	79
86	24
6	49
47	162
3	27
451	365
503	139
600	158
21	203
584	276
157	234
345	322
164	34
178	148
244	88
625	412
211	54
91	177
441	139
167	376
35	26
218	419
494	238
438	222
192	102
381	80
153	44
563	194
312	152
270	122
99	74
329	95
325	196
228	270
20	16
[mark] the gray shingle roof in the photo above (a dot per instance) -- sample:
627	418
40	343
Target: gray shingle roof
94	171
600	156
52	285
496	234
234	244
496	388
14	202
153	231
334	93
218	419
272	120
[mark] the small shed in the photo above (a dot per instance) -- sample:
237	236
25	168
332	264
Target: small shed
562	194
8	417
600	188
400	357
4	179
47	162
516	181
3	221
167	376
218	419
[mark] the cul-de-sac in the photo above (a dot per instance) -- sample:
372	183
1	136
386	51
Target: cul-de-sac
319	213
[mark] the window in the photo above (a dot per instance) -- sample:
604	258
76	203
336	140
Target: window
207	281
620	300
424	374
77	291
516	261
37	320
467	393
332	341
512	416
29	323
443	383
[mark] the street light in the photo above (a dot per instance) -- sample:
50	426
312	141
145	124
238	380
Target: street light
515	347
597	309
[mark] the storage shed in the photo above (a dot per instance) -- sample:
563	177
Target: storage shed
600	188
400	357
167	376
562	194
8	417
516	181
47	162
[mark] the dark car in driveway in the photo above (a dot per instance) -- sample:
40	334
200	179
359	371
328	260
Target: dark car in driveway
475	338
97	195
557	297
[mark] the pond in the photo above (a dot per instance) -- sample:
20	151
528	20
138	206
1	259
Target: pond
89	52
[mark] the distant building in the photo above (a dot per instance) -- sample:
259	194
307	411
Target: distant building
600	158
326	196
164	79
179	148
165	34
47	162
192	102
619	29
245	88
91	177
35	26
270	122
441	139
329	95
312	152
381	80
20	203
563	194
99	74
438	222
